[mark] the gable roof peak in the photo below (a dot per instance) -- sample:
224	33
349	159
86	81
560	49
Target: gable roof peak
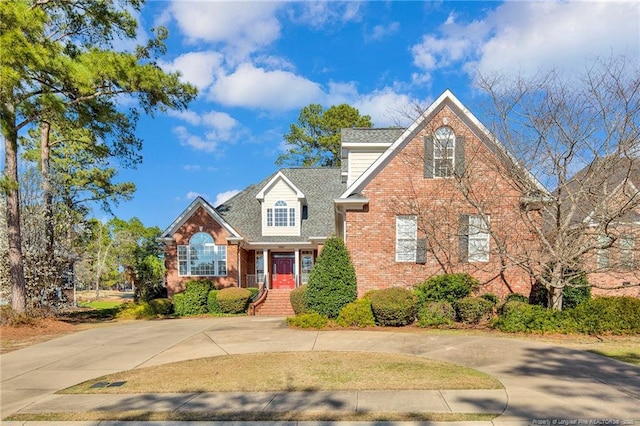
279	176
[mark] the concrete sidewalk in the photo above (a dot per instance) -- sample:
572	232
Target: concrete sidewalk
542	381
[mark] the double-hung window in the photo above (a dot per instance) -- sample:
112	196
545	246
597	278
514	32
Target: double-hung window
474	238
406	238
202	257
627	244
444	152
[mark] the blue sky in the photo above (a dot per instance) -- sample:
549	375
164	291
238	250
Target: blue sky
256	64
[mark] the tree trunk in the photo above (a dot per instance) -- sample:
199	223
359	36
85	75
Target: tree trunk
45	154
16	263
555	298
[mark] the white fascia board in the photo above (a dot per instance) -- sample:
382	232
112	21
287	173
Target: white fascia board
256	245
273	180
186	214
447	97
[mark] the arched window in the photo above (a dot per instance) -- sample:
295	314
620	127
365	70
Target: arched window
202	257
444	148
281	215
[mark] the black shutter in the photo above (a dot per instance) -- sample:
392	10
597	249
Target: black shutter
464	238
459	153
421	251
428	157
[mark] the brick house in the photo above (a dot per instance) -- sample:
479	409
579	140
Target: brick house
409	203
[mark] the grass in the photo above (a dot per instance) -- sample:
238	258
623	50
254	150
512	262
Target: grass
255	416
295	371
100	304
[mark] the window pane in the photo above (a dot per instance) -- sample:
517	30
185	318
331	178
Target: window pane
443	152
269	217
627	244
280	216
182	260
292	217
406	238
478	239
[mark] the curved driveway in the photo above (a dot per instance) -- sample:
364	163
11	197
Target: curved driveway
542	381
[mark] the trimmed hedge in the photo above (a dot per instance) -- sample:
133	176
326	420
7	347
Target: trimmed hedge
449	287
140	310
394	306
195	297
332	281
233	300
357	314
178	304
616	315
212	302
308	320
520	317
491	297
298	299
162	306
473	310
433	314
516	297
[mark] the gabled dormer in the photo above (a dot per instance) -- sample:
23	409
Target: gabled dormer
281	209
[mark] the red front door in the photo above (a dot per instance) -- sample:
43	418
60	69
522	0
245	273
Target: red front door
283	276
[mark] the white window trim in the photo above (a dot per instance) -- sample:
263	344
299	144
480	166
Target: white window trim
479	239
436	143
219	253
407	238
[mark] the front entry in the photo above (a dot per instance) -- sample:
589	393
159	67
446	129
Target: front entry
282	267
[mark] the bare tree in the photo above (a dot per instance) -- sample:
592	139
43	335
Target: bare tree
580	136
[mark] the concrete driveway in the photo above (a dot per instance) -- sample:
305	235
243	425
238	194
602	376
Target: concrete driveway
542	382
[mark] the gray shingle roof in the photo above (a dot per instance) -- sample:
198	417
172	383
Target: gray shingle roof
371	135
320	187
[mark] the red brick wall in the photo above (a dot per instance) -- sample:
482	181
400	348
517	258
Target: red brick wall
400	188
200	220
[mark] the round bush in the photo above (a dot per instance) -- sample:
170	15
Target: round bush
394	306
473	310
140	310
308	320
195	297
356	314
516	297
233	300
298	299
212	302
162	306
432	314
520	317
491	298
449	287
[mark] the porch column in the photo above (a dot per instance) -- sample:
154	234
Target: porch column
267	272
296	266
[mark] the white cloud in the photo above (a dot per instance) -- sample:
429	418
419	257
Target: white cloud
192	167
245	26
525	37
253	87
194	141
318	14
191	195
198	68
386	107
189	116
224	196
381	31
219	127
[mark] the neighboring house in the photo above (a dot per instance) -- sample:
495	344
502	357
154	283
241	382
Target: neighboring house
410	203
608	218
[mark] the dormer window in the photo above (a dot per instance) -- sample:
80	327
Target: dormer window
281	215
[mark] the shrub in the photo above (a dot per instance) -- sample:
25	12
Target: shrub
436	313
134	310
577	291
332	281
520	317
212	302
298	298
394	306
161	306
308	320
473	310
178	304
356	314
254	293
233	300
616	315
195	297
517	297
449	287
491	298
